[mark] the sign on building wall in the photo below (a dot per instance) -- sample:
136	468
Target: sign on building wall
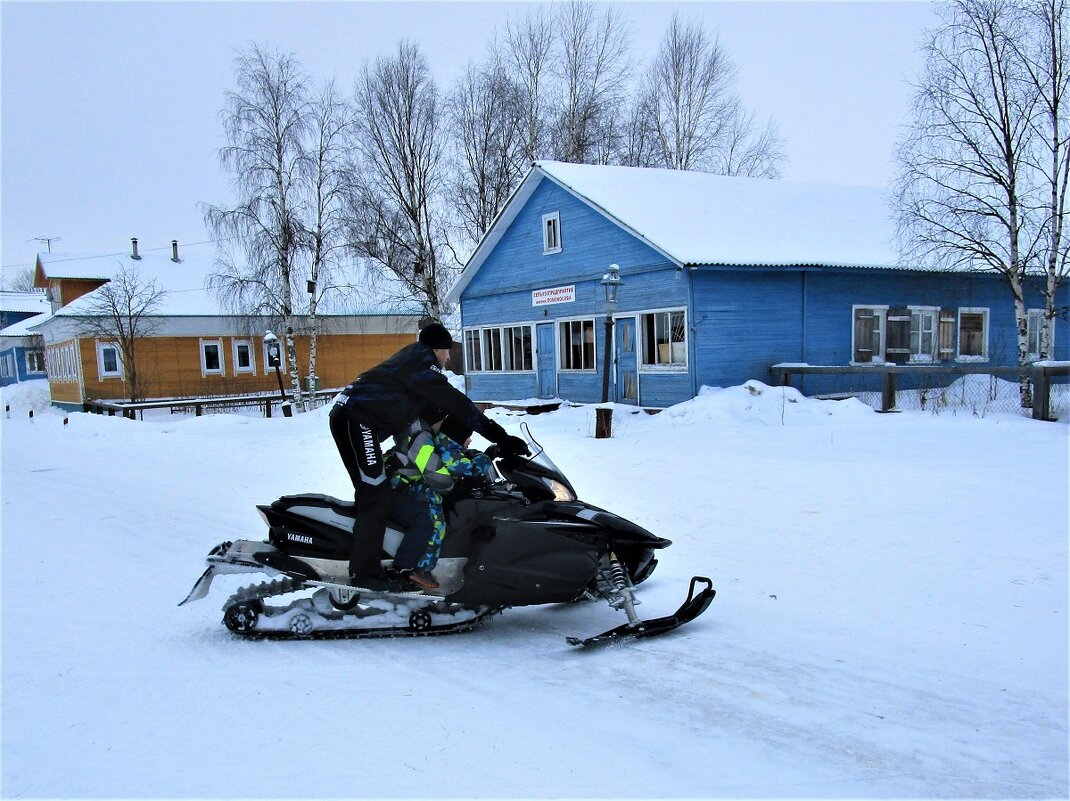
558	294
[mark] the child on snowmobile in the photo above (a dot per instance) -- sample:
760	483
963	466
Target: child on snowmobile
425	463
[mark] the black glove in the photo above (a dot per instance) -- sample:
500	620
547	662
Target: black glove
511	447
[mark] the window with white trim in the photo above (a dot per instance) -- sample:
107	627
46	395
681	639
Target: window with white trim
577	344
664	338
35	361
973	335
109	363
923	333
244	361
1034	326
211	357
7	366
499	349
551	232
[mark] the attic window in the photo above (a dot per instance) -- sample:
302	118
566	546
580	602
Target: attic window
551	232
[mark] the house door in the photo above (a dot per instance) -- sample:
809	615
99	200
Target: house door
547	367
627	383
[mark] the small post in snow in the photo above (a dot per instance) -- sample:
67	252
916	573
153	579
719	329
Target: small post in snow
7	411
603	422
31	415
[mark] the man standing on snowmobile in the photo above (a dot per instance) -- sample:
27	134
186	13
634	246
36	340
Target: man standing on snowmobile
423	466
382	402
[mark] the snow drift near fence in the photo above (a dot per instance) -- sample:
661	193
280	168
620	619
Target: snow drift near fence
27	396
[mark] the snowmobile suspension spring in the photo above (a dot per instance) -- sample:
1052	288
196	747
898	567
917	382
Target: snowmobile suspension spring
616	572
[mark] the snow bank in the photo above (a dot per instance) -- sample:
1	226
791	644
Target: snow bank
758	403
27	396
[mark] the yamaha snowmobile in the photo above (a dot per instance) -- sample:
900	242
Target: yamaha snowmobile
519	540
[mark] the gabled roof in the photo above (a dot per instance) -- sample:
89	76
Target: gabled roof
697	218
183	283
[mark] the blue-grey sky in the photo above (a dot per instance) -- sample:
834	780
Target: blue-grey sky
110	111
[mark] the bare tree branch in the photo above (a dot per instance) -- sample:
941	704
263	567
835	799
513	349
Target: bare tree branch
122	311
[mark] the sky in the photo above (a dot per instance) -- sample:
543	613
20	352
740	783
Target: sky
110	112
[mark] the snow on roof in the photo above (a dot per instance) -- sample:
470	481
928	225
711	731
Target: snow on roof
80	265
184	283
701	218
23	327
697	218
24	302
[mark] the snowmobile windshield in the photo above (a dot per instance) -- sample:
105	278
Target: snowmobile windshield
541	468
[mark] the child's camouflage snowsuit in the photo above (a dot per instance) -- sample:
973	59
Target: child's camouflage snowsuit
419	507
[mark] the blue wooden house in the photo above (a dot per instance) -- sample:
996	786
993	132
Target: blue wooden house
22	355
723	278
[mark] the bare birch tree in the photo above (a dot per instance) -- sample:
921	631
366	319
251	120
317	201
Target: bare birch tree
265	121
487	119
965	192
528	52
746	149
593	67
394	213
1044	56
697	118
324	223
122	311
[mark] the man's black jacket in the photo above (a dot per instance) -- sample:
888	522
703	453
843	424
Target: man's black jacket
408	385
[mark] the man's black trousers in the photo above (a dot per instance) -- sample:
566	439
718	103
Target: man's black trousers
358	445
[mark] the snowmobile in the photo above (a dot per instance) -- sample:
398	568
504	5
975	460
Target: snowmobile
520	539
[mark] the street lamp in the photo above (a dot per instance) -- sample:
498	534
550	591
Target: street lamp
274	359
611	283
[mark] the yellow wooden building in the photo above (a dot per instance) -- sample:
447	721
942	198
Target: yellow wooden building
196	348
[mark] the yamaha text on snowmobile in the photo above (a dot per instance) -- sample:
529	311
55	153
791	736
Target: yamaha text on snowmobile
519	541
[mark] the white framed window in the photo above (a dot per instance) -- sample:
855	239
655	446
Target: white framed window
109	362
473	351
551	232
7	366
867	335
576	338
923	320
1034	324
244	358
211	357
35	361
664	339
973	335
499	349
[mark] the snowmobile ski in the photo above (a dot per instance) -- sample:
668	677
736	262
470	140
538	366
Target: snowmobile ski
694	606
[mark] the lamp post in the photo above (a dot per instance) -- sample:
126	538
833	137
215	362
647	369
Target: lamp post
611	283
603	416
274	359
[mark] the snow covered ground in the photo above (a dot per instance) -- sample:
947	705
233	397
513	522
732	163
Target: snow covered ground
891	618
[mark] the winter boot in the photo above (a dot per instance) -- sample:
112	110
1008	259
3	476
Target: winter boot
423	579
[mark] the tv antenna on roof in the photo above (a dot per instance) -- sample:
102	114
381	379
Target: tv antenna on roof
48	240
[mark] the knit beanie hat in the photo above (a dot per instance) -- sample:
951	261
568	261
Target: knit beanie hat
436	337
